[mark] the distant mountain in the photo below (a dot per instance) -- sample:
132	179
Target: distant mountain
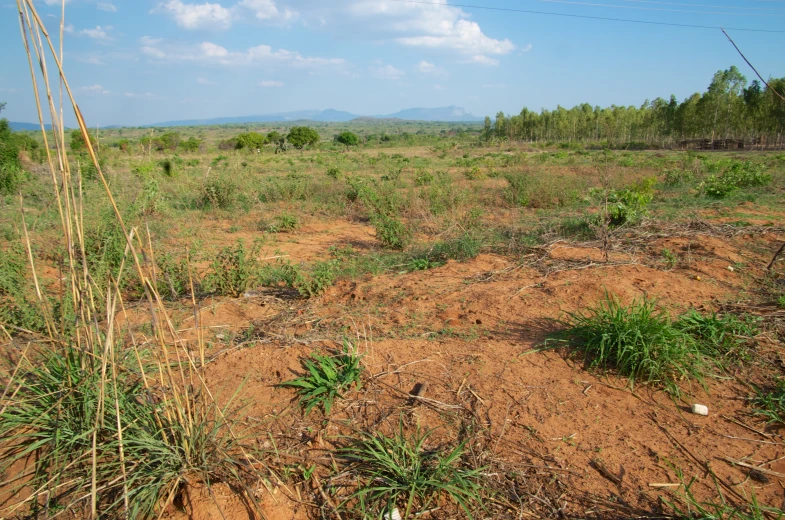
19	127
447	114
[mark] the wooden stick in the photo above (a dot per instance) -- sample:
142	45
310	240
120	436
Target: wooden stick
774	259
756	468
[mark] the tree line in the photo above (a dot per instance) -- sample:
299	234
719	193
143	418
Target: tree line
729	109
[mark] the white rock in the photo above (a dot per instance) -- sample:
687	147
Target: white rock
700	409
393	515
730	268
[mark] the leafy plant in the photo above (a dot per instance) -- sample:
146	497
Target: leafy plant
218	192
327	378
390	231
628	205
333	172
401	472
737	175
282	224
423	177
639	340
233	270
321	276
670	259
678	177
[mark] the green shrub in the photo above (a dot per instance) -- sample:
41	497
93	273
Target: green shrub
282	224
218	192
233	271
639	340
151	199
333	172
473	174
390	231
423	177
678	177
174	277
627	205
327	378
250	141
737	175
321	276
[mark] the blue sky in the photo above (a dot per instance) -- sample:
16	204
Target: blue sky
136	62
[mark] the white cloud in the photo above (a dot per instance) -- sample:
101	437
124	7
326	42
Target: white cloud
69	29
99	33
106	6
153	52
196	16
95	89
147	40
425	67
215	16
55	2
439	87
265	10
386	72
483	60
494	85
434	25
211	53
270	83
204	81
527	48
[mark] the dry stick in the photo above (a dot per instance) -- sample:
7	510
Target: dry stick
750	64
756	468
774	259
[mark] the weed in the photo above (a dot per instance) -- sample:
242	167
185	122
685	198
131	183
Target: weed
283	223
327	378
16	307
473	174
638	340
333	172
670	259
390	231
771	404
628	205
737	175
218	192
401	472
321	276
781	302
233	270
423	177
678	177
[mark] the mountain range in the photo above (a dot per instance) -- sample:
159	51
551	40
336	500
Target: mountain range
442	114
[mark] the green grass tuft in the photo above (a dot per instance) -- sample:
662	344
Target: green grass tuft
400	471
639	340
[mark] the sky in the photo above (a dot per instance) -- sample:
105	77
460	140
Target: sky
136	62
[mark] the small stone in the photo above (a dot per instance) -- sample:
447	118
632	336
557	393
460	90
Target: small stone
699	409
730	268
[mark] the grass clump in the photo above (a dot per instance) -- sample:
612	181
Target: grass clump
327	378
719	335
770	403
399	471
282	224
639	340
218	192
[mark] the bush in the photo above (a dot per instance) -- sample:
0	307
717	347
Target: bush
678	177
320	278
347	139
333	172
390	231
218	192
234	270
737	175
192	144
627	205
251	141
282	224
423	177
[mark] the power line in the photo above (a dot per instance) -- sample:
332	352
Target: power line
589	17
571	2
745	8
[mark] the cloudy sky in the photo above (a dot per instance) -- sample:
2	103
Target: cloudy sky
144	61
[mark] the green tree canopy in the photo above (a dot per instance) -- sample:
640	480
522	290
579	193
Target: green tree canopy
301	136
250	141
191	144
348	139
77	141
